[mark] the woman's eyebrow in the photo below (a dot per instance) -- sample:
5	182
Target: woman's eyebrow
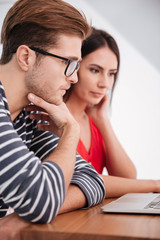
113	70
96	65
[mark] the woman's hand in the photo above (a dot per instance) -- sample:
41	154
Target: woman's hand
99	111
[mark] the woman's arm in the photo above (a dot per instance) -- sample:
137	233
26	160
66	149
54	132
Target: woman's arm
117	186
117	161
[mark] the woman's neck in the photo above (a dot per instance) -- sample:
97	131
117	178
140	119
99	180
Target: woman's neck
77	108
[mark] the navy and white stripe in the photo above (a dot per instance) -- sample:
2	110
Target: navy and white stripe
36	190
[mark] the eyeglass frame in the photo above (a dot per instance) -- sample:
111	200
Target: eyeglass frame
43	52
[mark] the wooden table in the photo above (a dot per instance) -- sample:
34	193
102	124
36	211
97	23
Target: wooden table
94	224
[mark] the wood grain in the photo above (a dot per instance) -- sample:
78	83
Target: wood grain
93	224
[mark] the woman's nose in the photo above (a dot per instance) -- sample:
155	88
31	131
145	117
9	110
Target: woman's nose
105	82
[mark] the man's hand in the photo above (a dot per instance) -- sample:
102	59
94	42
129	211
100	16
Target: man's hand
11	226
56	117
61	122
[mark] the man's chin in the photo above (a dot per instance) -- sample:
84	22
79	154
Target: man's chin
56	102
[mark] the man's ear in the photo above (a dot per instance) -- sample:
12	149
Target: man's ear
25	57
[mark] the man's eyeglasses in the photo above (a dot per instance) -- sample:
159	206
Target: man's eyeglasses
72	65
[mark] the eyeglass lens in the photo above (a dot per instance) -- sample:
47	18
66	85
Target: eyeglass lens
72	66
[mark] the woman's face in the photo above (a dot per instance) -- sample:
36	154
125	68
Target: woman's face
96	75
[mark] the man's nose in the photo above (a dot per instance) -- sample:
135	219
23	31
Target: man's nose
73	78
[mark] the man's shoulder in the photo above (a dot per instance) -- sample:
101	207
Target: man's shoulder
3	101
3	106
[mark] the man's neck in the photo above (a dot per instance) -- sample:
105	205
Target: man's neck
13	86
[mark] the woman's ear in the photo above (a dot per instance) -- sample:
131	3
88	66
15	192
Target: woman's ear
25	57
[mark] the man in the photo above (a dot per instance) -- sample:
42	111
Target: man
40	57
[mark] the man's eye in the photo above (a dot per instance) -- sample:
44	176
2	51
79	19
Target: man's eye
65	62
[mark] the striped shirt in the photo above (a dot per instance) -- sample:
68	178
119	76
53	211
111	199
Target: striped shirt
35	189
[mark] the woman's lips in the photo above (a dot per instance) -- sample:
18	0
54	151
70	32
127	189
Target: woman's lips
97	94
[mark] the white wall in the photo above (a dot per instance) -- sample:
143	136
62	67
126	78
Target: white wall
4	6
135	109
138	21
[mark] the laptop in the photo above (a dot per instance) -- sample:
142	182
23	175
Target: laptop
143	203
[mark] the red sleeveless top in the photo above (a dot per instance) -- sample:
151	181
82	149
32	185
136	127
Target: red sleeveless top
96	155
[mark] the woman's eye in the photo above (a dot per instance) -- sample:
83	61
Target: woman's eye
94	70
112	74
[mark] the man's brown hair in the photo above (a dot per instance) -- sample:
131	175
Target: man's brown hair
38	23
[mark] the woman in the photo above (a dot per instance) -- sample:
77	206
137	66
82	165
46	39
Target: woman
89	100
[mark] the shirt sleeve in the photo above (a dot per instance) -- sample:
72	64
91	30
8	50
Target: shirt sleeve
89	181
33	189
85	176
